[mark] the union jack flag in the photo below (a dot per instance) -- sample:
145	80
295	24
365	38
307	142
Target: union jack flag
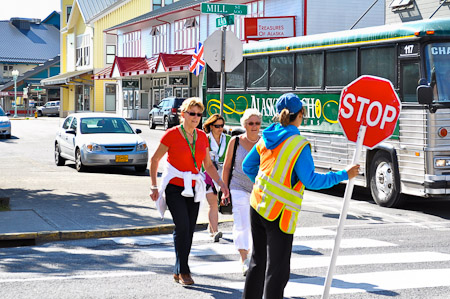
197	61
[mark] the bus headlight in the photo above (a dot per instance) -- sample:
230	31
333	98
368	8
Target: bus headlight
442	162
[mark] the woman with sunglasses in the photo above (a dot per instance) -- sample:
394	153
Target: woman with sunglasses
187	150
240	185
218	142
281	165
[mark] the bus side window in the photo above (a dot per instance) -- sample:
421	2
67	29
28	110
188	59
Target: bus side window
410	77
340	68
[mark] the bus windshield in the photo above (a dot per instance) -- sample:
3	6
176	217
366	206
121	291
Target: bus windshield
438	69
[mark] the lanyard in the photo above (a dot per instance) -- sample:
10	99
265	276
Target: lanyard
191	147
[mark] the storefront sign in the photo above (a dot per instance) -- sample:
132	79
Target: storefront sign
130	83
269	27
178	80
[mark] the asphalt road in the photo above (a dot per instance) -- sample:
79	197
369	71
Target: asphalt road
400	253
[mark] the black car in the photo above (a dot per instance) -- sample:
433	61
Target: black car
165	113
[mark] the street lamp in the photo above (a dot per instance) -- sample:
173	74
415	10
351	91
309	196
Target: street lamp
15	74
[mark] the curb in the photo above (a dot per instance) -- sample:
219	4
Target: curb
53	236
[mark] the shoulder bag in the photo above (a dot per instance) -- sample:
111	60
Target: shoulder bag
228	209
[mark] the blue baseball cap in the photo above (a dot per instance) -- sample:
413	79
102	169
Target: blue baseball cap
289	101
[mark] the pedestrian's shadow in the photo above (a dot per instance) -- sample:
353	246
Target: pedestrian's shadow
341	284
217	291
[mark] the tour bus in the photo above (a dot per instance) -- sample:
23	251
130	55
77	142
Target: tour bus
414	56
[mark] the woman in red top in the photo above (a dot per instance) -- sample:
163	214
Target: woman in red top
187	149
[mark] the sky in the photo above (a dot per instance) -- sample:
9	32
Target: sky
34	9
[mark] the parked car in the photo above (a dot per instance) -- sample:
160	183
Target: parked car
99	139
50	108
5	124
165	113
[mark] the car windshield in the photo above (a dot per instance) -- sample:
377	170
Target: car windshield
438	69
178	103
102	125
2	113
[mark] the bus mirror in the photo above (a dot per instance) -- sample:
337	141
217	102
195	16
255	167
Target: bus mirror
425	94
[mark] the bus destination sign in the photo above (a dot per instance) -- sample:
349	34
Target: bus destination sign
224	9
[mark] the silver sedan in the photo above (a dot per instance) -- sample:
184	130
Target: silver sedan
99	139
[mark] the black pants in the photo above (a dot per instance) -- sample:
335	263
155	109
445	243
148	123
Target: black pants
272	251
184	214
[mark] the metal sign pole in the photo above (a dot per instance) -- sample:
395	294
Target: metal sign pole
343	216
222	69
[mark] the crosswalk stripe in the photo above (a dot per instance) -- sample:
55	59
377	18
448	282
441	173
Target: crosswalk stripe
204	236
227	267
364	282
298	245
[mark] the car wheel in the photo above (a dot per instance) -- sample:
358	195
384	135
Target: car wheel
166	123
78	163
140	168
59	161
39	113
151	123
8	136
385	181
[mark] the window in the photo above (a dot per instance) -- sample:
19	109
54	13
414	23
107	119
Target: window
67	123
257	72
379	62
110	97
160	3
309	69
213	78
132	44
7	70
282	71
396	4
254	9
68	12
409	80
159	39
186	33
340	68
235	79
144	100
83	50
82	96
110	54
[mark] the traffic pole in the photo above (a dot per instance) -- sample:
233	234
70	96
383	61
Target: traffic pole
222	69
343	216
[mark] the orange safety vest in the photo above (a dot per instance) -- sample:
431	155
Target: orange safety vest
273	192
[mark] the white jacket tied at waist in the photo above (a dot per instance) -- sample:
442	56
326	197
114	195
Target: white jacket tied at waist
171	172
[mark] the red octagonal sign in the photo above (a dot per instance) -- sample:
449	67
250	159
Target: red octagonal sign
370	101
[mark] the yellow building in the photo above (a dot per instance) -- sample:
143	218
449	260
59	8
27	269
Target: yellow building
85	48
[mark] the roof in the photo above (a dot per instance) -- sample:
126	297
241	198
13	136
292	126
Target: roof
91	9
133	66
32	72
184	9
63	78
34	44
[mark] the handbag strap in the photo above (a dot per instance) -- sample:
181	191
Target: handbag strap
236	143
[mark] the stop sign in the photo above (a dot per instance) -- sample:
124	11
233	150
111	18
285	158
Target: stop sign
370	101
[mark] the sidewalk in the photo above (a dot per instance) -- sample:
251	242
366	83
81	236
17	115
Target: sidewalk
50	213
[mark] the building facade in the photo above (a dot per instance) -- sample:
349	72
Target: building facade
401	11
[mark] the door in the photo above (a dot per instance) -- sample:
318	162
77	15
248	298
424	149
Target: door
410	76
62	137
70	138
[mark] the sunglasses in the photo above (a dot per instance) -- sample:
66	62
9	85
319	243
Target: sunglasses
254	123
218	126
194	114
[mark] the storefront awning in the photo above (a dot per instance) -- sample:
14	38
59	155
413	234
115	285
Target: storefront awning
136	66
64	78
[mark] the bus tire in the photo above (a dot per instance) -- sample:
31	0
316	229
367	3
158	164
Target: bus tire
385	181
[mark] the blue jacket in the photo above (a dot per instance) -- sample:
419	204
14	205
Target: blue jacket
273	136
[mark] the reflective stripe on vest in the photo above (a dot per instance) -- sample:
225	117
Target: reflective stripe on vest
273	193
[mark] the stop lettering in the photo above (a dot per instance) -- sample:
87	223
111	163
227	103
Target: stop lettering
370	101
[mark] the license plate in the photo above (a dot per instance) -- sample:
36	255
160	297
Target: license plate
121	158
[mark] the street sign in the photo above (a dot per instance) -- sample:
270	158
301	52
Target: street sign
212	51
224	9
225	20
372	102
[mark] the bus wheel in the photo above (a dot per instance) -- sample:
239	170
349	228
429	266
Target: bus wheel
384	181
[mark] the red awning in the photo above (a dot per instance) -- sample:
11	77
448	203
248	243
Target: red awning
135	66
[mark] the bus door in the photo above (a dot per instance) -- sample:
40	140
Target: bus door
409	80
